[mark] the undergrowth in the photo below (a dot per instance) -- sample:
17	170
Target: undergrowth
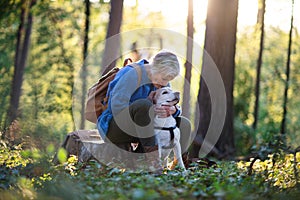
30	174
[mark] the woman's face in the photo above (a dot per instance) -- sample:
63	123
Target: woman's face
160	80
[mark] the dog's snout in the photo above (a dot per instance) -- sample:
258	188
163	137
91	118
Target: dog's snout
177	95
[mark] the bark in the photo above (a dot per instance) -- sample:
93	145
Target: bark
220	40
22	49
112	43
261	24
84	66
188	63
287	72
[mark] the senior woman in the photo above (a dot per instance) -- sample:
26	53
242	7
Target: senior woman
129	116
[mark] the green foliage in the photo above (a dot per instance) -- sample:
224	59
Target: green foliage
12	157
11	165
277	170
245	74
8	29
26	171
55	56
62	155
271	90
31	175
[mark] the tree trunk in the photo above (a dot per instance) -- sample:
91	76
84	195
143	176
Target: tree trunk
220	40
287	72
188	62
112	44
22	48
261	25
15	91
84	66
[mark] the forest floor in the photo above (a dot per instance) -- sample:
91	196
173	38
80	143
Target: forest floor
31	174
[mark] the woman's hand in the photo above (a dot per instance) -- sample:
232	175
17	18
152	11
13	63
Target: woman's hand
164	111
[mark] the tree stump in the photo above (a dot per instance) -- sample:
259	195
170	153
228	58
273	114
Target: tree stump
88	144
74	144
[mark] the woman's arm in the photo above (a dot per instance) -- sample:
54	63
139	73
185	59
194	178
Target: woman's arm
123	90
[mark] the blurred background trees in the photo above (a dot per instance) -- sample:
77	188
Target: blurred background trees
62	35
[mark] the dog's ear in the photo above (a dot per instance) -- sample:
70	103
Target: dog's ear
154	101
151	97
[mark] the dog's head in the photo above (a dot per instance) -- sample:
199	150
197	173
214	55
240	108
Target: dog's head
165	96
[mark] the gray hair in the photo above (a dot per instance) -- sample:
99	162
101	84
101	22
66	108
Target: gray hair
167	63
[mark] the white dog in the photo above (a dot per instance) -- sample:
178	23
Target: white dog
166	132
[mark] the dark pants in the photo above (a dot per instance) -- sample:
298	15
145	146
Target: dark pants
135	125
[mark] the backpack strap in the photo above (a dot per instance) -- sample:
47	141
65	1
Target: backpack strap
138	70
127	61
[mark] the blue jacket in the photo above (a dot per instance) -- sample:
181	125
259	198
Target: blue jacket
122	91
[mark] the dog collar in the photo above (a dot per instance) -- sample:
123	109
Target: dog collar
171	131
